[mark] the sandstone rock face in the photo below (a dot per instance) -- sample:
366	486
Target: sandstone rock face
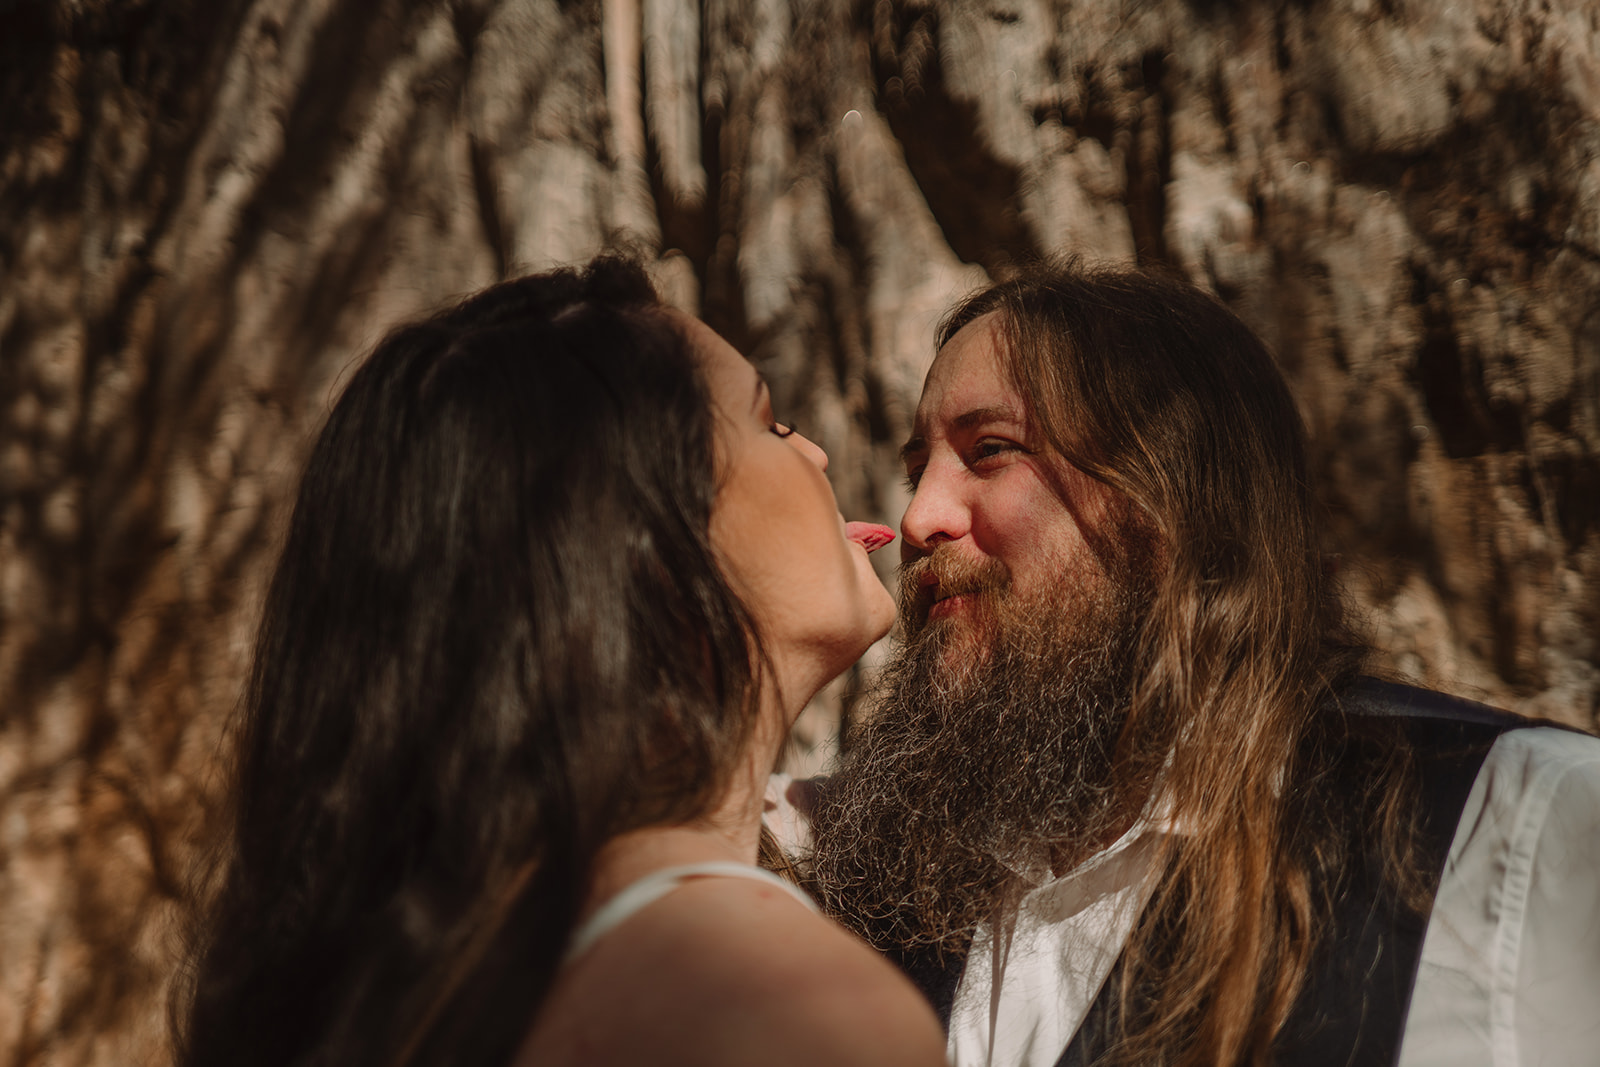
208	210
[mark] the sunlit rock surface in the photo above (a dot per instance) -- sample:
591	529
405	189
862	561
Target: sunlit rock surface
208	210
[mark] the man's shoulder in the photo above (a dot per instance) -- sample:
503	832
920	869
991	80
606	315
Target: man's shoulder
1422	710
1546	751
1440	726
1378	697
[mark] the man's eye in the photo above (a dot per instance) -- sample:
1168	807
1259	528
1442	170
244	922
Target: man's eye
990	447
913	476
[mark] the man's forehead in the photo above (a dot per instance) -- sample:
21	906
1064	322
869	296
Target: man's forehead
969	385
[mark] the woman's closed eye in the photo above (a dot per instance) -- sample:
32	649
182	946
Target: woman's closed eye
784	429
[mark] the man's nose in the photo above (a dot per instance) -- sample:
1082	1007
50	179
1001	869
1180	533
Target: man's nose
937	513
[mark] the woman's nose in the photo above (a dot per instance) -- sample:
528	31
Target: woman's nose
808	448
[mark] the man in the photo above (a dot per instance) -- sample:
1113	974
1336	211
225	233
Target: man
1126	796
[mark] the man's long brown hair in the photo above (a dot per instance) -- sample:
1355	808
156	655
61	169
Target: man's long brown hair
1154	388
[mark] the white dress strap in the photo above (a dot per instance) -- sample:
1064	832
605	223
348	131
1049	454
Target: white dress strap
652	887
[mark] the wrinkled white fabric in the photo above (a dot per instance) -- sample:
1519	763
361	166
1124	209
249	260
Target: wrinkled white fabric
1510	971
1056	948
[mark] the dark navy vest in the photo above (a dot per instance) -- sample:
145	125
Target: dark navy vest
1352	1008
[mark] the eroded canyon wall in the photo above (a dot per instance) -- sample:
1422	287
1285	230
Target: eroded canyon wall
209	208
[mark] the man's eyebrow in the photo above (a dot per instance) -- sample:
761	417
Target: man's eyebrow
964	421
978	416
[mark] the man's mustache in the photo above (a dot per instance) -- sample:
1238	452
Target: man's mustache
946	572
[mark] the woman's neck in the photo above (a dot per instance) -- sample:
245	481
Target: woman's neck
731	830
625	859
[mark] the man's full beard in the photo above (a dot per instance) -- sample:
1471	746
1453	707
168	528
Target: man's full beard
988	757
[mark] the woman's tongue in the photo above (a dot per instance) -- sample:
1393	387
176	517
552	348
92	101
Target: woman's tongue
869	535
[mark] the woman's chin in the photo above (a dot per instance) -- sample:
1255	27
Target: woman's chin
879	607
884	612
842	651
876	620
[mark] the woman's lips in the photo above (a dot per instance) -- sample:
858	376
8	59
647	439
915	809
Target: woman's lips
869	535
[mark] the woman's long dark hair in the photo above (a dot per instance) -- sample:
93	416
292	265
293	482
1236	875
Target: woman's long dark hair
497	638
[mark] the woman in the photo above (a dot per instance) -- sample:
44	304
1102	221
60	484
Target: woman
555	587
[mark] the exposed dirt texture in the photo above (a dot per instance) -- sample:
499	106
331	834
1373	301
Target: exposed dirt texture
210	208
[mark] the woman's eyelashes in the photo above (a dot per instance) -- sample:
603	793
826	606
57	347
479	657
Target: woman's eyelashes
784	429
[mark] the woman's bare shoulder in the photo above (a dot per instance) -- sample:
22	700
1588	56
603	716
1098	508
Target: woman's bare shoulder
833	998
735	971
